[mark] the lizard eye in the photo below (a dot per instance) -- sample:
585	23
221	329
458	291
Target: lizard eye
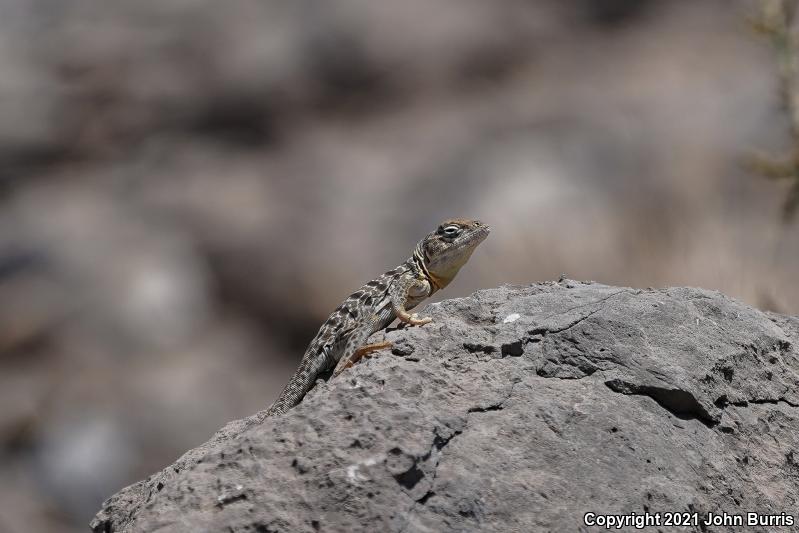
451	231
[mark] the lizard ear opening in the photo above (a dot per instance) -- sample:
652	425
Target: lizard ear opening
430	249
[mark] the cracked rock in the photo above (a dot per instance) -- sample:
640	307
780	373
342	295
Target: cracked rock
591	398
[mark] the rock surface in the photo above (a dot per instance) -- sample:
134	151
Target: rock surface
518	409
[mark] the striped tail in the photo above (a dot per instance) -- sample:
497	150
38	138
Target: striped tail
301	382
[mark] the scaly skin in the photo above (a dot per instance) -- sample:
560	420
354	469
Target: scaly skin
340	341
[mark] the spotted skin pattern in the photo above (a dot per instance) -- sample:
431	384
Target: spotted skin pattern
435	261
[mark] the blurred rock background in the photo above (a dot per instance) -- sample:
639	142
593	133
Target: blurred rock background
187	189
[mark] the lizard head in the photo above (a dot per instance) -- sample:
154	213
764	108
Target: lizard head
446	250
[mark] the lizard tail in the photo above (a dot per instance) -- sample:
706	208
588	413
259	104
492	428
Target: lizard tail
301	382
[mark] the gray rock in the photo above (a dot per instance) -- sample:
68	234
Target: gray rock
518	409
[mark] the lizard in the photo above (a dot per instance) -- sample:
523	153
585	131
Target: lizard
339	344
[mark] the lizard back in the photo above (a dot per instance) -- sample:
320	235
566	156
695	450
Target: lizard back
326	347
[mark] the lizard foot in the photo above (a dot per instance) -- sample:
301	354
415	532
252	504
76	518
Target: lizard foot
363	351
369	349
416	321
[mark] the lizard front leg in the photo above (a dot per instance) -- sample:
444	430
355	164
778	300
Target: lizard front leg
400	293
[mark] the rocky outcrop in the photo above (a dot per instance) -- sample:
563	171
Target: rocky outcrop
518	409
